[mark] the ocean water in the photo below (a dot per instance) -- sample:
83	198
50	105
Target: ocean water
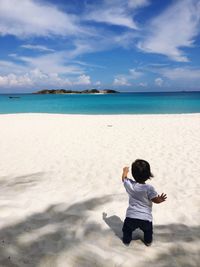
122	103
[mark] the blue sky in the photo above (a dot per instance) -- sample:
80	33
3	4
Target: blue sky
129	45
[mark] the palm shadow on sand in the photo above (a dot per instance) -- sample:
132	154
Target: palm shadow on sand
43	236
48	233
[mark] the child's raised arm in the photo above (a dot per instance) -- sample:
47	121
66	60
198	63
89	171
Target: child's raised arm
125	172
159	199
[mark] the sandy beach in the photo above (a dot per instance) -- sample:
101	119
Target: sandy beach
62	202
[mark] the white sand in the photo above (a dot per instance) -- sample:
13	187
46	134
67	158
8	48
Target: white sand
60	173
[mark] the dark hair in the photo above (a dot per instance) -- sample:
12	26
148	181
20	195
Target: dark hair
141	170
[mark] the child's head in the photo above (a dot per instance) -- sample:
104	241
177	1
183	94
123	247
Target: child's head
141	170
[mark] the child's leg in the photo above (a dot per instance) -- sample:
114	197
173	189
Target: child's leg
147	228
148	237
127	230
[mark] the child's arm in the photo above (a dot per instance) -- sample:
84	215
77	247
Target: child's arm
125	172
159	199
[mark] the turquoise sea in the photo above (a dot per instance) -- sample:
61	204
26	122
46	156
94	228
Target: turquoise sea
122	103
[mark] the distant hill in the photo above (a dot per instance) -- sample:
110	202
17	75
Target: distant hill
64	91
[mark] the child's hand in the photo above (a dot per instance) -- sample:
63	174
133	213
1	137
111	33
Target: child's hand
125	171
160	198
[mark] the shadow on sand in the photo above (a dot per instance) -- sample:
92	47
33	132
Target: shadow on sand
179	236
27	242
19	183
49	233
162	233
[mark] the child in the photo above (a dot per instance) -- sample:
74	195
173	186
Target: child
141	196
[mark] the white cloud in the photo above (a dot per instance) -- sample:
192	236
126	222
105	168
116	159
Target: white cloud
52	69
33	18
56	62
143	84
124	79
121	81
12	55
175	28
27	18
125	40
48	70
83	47
137	3
12	80
33	78
97	83
39	19
182	74
48	79
38	79
103	40
159	81
116	12
11	67
110	16
134	74
37	47
83	80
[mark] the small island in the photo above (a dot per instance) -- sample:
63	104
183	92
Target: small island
64	91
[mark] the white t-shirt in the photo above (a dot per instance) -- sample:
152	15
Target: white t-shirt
140	204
